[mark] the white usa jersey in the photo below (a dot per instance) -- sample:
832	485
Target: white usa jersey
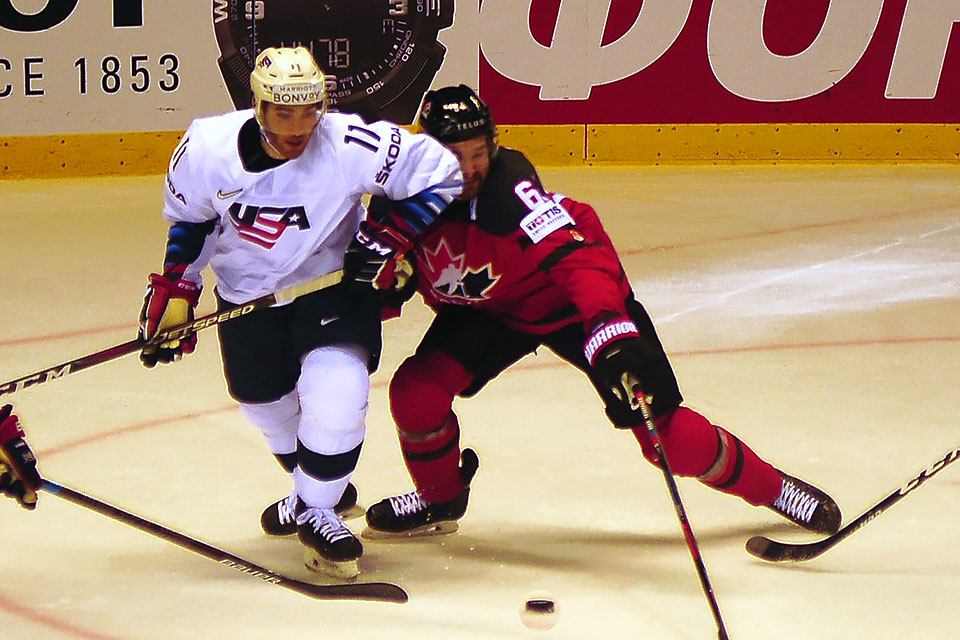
292	223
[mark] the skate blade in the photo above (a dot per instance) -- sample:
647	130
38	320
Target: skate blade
432	529
345	570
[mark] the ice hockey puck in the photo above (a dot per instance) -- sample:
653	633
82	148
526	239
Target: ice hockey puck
539	611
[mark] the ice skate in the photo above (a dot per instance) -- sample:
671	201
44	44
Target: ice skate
331	548
806	505
280	518
409	515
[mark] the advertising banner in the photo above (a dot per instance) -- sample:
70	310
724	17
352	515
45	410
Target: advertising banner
829	71
716	61
68	66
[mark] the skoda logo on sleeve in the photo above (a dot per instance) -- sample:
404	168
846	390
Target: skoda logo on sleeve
380	56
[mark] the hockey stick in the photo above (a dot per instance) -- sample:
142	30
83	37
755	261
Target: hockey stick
379	591
179	331
639	402
774	551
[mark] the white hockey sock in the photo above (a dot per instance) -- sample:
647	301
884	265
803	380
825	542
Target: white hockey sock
277	420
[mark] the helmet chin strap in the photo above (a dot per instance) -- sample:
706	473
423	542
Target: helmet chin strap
266	140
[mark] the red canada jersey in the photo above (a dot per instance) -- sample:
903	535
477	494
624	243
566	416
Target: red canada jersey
538	261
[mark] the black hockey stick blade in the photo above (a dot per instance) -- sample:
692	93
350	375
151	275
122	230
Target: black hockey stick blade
775	551
210	320
375	591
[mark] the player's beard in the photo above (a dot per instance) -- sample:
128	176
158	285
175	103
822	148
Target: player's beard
472	184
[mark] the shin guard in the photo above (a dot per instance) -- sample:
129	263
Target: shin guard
697	448
421	401
433	460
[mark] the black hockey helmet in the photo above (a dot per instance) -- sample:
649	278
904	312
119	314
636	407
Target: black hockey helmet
455	114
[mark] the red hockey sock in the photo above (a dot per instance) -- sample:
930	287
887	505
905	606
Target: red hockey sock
421	399
433	460
697	448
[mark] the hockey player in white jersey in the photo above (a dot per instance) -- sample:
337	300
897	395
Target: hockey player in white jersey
268	198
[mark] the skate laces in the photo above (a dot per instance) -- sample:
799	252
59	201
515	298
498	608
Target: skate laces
287	509
796	502
407	504
325	522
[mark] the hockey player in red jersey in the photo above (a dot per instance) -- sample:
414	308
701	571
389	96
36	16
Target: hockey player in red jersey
510	267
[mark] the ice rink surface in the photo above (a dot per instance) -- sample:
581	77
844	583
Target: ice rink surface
814	311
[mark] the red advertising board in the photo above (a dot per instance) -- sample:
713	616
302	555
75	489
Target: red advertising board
727	61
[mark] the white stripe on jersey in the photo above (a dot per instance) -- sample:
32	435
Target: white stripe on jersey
293	222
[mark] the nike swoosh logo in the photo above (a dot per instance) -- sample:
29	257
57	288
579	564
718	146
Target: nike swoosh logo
229	194
325	321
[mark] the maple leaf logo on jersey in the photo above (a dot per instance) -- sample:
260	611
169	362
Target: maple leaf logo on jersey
451	278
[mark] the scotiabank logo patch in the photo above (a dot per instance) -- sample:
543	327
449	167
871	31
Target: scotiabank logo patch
263	226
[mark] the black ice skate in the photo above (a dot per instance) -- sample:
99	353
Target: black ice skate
331	547
280	518
806	505
409	515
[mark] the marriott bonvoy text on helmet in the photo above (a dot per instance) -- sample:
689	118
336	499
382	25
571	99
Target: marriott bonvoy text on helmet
294	94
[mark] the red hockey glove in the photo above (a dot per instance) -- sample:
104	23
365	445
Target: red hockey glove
615	348
167	304
402	278
396	275
19	478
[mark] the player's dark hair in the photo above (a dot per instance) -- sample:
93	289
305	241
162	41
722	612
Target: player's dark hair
455	114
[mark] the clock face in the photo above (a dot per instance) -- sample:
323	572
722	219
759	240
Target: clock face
361	45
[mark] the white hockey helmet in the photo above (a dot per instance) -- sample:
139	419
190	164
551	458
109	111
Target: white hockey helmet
287	76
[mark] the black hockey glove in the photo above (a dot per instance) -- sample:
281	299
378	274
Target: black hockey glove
369	263
19	478
615	349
